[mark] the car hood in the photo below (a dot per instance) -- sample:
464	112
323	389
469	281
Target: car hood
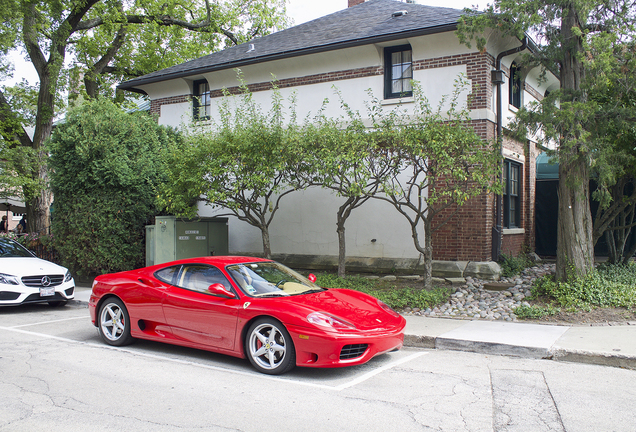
29	266
356	307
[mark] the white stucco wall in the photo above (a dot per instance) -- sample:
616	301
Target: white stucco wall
306	225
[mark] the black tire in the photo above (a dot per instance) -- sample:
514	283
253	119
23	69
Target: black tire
113	323
269	347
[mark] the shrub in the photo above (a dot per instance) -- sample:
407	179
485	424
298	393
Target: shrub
535	312
606	286
105	166
511	265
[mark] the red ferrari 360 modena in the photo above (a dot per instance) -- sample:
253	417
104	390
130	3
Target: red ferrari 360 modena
244	307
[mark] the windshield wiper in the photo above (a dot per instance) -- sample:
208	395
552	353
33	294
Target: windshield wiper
315	290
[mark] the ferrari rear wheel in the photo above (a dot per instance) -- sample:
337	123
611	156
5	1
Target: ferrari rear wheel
114	323
269	347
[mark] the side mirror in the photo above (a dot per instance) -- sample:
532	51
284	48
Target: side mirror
219	289
312	278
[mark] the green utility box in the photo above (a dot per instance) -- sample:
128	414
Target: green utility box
171	239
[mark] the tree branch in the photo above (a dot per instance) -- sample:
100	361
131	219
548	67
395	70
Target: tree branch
164	20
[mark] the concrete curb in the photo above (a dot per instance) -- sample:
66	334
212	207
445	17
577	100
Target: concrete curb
493	348
595	358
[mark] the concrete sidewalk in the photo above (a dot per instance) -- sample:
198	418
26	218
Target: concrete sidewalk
602	345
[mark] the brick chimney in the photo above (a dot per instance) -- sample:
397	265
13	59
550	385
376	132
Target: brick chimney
355	2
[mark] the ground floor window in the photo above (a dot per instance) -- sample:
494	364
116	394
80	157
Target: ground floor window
512	195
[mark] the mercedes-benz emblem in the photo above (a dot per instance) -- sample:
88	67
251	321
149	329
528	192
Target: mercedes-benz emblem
46	281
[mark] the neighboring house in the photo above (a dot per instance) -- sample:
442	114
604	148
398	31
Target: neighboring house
379	45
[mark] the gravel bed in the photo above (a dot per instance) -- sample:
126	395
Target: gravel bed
473	301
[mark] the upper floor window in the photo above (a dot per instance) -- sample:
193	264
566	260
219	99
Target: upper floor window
398	71
201	100
512	195
515	85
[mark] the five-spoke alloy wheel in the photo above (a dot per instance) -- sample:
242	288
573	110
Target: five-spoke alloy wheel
114	323
269	347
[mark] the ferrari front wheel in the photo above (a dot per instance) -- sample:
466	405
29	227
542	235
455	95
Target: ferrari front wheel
114	323
269	347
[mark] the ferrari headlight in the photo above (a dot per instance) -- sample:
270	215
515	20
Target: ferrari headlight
323	319
8	279
387	308
68	276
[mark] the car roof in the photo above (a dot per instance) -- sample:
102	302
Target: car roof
220	261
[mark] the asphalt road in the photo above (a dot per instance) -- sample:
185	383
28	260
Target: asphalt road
57	375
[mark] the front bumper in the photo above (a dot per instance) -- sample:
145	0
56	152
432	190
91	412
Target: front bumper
19	294
315	348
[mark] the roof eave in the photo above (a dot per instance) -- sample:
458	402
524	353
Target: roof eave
132	86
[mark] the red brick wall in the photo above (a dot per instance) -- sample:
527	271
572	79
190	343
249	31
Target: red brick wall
467	236
512	244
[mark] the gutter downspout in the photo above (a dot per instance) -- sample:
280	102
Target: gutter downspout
497	78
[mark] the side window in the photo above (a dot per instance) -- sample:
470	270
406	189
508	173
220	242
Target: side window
515	85
168	275
198	277
201	100
512	195
398	71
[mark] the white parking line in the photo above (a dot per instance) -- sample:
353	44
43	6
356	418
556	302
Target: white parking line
49	322
374	372
340	387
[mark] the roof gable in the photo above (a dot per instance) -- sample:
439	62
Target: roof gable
369	22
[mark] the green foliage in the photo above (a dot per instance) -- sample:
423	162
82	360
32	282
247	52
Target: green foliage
159	41
397	298
106	166
606	286
511	265
535	312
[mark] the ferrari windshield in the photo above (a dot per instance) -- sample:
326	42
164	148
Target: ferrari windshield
270	279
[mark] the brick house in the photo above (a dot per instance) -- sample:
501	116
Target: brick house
379	45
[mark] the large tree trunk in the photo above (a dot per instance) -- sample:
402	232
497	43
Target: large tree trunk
575	246
38	203
38	206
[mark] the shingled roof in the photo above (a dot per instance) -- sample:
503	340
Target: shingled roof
369	22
